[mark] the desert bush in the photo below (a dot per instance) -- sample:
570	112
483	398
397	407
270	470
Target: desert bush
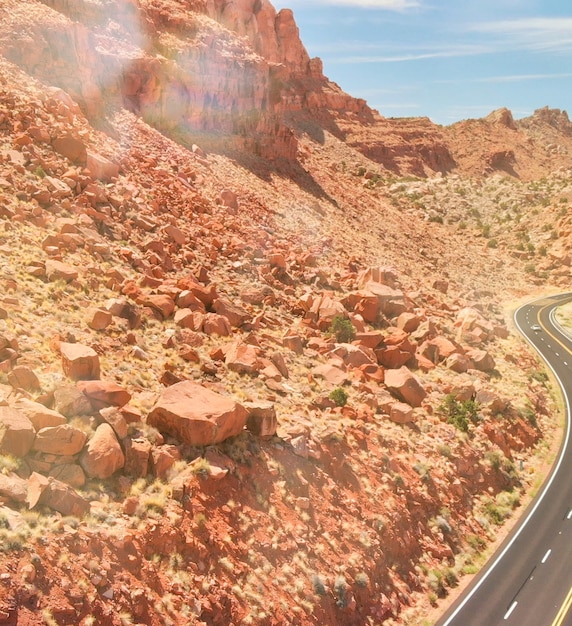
459	413
342	329
318	584
339	396
340	587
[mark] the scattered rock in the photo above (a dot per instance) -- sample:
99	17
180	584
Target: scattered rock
405	385
163	459
64	440
70	474
243	358
235	315
79	362
331	373
102	456
214	324
17	433
21	377
137	454
115	418
229	199
482	360
72	148
100	319
101	168
195	415
401	413
70	401
56	270
261	420
13	487
104	393
38	414
55	495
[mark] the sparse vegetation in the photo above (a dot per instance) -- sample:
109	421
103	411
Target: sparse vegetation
462	414
339	396
342	329
249	520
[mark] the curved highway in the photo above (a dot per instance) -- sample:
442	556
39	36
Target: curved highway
528	581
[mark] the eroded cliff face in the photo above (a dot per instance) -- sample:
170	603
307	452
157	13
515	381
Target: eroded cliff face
222	66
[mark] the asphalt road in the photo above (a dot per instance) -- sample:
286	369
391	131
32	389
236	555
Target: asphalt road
528	581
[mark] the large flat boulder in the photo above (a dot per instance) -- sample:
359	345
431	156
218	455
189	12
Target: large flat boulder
38	414
63	440
196	415
104	393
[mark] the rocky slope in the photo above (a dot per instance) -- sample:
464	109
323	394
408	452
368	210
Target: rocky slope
256	356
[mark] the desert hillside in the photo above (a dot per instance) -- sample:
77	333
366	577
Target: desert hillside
257	364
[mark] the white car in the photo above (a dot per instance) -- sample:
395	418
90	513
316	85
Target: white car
536	328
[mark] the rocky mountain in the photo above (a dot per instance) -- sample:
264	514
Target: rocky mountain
256	358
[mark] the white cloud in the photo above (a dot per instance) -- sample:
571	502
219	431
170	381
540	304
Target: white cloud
516	78
383	5
460	50
536	34
387	5
511	78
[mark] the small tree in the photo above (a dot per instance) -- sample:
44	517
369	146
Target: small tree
342	329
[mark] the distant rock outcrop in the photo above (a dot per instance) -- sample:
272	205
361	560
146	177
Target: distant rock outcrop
503	117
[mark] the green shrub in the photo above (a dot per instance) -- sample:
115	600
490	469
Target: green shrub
451	577
342	329
539	376
496	513
476	542
459	413
339	396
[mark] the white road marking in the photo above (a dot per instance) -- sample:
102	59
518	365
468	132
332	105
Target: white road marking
512	608
546	556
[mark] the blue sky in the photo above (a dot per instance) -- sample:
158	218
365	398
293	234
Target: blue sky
446	59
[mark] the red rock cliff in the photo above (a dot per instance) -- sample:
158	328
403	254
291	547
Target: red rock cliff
232	67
